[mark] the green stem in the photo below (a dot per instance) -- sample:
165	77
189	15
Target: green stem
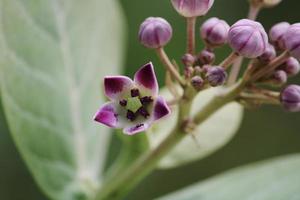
219	101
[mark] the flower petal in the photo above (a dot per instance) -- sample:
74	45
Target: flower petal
117	86
146	78
132	130
160	109
107	115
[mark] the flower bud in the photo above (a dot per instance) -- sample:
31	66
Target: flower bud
155	32
197	82
248	38
268	55
279	77
206	57
216	76
291	66
277	34
290	98
188	59
192	8
215	32
292	40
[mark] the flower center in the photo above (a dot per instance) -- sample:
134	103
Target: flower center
136	105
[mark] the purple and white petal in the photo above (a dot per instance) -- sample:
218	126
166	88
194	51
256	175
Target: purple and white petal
137	128
108	115
160	109
116	86
146	78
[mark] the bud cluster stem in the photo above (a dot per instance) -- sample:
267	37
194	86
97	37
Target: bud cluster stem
169	66
191	25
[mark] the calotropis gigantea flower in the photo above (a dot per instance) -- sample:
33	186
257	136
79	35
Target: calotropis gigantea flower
134	104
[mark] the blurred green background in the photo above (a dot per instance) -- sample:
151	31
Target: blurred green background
264	133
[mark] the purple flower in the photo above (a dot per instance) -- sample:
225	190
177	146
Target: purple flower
292	40
216	76
155	32
134	104
214	32
248	38
192	8
290	98
277	34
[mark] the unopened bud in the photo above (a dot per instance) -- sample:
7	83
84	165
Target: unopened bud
290	98
155	32
197	82
248	38
216	76
206	57
291	66
277	34
188	60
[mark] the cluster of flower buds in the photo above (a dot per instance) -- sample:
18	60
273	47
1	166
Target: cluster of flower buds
273	59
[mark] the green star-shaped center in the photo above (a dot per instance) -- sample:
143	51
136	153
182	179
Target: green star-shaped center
133	104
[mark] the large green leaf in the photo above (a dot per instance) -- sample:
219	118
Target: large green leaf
54	54
210	135
276	179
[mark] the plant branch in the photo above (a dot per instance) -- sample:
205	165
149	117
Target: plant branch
169	66
270	67
118	186
229	60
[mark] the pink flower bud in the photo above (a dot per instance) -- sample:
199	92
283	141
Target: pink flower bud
276	34
206	57
197	82
188	59
268	55
248	38
216	76
215	32
292	40
291	66
155	32
279	78
192	8
290	98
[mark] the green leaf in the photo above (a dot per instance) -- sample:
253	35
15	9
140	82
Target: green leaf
275	179
210	136
54	55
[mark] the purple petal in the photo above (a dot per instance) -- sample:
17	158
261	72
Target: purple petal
132	130
161	109
116	86
146	77
107	115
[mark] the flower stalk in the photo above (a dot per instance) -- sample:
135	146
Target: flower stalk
168	65
191	44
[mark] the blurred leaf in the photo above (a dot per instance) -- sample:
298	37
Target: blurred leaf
54	55
210	136
276	179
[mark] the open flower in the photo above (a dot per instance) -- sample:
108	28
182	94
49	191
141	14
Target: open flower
134	104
